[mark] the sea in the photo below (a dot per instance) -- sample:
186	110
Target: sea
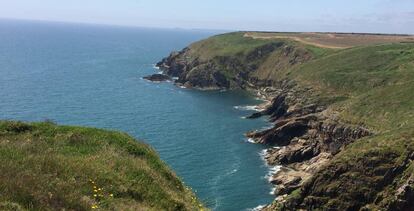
91	75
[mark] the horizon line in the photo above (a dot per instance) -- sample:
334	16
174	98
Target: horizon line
191	29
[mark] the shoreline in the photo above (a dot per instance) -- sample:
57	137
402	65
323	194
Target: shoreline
265	99
297	125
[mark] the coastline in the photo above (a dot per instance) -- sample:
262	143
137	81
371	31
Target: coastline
265	99
335	118
299	125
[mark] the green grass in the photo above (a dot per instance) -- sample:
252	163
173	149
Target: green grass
355	70
235	44
375	84
231	44
50	167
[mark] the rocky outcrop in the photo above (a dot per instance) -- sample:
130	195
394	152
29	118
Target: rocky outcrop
305	136
236	71
157	77
287	180
192	73
390	185
403	197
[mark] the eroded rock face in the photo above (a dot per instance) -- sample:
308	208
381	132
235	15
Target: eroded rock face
307	136
193	73
297	151
404	197
287	180
173	65
231	71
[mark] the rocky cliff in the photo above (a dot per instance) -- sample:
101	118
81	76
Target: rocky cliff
238	67
342	136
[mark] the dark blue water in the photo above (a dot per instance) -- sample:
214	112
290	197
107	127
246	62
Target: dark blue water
91	75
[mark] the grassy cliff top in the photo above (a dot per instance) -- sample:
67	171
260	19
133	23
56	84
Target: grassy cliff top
242	42
48	167
372	83
333	40
238	43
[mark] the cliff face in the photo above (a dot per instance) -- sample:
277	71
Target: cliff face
342	119
238	69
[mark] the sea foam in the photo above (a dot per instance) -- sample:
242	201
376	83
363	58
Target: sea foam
258	208
251	140
155	66
272	169
248	108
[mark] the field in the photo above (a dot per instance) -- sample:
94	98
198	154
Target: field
334	40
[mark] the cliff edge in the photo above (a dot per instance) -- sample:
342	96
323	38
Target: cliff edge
44	166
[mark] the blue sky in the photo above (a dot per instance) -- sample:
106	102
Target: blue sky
386	16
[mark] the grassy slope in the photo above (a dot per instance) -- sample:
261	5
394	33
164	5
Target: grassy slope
369	85
376	85
230	44
50	167
235	45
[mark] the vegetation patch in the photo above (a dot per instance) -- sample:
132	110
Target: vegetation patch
50	167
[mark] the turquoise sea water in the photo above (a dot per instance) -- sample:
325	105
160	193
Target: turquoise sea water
91	75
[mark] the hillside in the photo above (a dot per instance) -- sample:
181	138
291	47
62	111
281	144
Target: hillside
343	115
50	167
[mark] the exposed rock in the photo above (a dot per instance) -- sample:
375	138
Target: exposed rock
284	131
288	179
157	77
254	115
404	196
236	71
297	151
307	137
311	166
